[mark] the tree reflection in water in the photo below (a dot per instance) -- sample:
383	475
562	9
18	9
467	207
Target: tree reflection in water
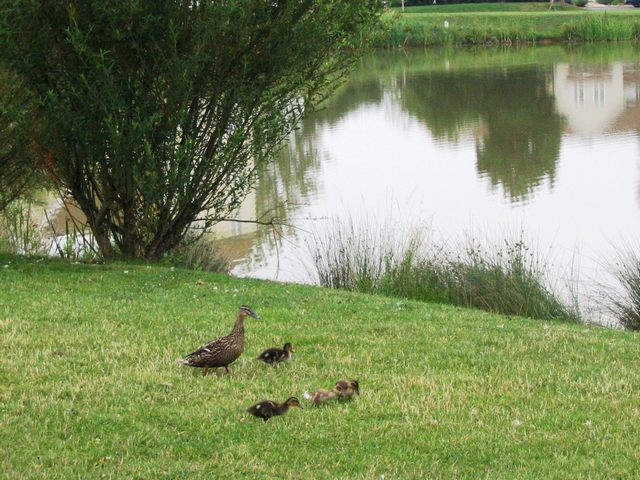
512	112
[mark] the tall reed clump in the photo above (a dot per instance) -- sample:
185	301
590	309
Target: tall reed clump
358	258
413	34
594	28
624	301
19	232
509	278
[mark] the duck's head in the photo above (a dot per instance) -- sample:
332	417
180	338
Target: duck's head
346	388
355	385
246	311
340	387
293	402
288	347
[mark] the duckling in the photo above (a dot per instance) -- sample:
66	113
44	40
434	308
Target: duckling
222	351
268	408
319	396
275	355
346	388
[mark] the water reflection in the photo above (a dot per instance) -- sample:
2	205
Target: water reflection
512	114
493	138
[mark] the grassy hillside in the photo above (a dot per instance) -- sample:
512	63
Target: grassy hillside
90	386
474	25
488	7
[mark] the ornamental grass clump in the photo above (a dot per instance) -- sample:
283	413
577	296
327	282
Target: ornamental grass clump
508	278
624	298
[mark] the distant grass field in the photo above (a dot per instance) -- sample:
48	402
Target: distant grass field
473	26
488	7
90	386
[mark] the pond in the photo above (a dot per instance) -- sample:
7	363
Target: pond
543	140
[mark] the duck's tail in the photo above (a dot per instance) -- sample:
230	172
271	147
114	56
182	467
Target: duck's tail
184	361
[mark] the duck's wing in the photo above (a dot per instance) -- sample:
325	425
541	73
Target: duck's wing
207	348
263	409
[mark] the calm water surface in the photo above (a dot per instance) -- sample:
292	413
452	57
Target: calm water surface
544	140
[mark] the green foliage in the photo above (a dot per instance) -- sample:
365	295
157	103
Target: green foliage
18	172
580	3
198	253
90	385
159	113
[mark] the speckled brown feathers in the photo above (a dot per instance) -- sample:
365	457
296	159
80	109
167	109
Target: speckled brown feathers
222	351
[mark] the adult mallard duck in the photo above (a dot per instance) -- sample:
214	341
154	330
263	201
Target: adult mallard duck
222	351
268	408
275	355
346	388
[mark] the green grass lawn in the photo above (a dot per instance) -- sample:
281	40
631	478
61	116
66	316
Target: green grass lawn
482	24
487	7
90	386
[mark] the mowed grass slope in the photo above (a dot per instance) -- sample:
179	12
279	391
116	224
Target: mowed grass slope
90	385
489	7
503	24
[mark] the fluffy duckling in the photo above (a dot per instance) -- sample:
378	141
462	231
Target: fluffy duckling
319	396
268	408
275	355
346	388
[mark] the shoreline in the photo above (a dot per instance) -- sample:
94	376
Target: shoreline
508	28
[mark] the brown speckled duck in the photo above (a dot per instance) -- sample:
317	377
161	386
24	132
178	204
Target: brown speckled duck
268	408
222	351
276	355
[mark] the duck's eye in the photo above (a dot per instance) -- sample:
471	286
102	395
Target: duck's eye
339	388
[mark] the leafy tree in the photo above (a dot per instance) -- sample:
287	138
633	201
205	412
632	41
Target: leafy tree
17	150
159	112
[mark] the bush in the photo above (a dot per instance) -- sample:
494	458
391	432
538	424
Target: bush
199	253
580	3
152	115
18	151
604	2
